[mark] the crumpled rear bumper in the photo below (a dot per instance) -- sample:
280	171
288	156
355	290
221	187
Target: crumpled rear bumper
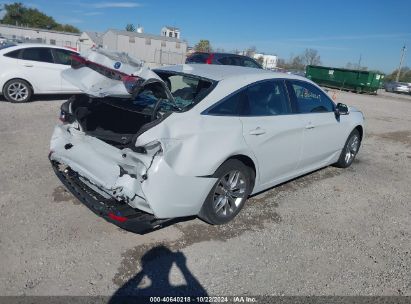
118	213
144	182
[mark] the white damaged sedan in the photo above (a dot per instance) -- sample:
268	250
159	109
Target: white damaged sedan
144	146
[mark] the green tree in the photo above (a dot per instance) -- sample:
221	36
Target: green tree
18	14
130	27
405	75
203	46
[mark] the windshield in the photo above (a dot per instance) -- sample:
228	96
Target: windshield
187	91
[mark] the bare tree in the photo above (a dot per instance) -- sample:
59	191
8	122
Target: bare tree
349	65
251	51
297	63
311	57
260	60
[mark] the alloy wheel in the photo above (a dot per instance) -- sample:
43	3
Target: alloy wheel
229	193
352	148
18	91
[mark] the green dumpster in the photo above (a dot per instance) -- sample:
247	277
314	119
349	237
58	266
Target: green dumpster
345	79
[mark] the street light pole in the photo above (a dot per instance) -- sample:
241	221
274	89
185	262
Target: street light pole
403	50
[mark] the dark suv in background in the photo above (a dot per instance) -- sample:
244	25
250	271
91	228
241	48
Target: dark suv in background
224	59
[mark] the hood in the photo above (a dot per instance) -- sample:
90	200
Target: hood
101	73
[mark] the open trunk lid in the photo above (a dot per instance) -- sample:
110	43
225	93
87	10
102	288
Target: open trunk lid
101	73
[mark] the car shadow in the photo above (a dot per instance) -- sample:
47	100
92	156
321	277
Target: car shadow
48	97
294	182
300	178
153	278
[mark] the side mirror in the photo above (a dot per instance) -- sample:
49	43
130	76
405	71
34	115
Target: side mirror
341	109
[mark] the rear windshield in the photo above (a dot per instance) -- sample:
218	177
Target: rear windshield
186	91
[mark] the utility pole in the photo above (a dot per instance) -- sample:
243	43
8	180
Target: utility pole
403	50
359	62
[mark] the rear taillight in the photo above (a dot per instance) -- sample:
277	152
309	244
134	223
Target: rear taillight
77	62
63	116
66	117
117	218
209	60
131	83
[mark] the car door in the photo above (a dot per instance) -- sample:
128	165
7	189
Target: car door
271	131
40	70
324	132
62	59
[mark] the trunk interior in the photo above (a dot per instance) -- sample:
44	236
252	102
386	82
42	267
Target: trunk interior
113	121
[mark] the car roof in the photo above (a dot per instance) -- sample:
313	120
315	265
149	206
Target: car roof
221	72
28	45
220	54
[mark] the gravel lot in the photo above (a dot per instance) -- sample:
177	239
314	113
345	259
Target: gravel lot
332	232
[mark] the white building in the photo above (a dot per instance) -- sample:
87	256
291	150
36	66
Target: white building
88	40
269	62
26	34
171	32
153	49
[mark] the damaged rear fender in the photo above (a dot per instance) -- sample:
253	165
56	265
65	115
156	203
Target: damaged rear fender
144	181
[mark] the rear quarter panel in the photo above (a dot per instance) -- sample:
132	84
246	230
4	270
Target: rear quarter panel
199	143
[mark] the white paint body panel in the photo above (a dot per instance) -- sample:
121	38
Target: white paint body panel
194	145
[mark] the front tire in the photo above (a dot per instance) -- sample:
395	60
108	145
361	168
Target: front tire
350	150
17	91
228	195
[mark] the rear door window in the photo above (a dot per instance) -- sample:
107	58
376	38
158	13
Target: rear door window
63	56
266	98
231	60
198	58
225	61
250	63
230	106
308	98
38	54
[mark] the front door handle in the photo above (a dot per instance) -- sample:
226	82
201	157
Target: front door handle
310	126
257	131
28	65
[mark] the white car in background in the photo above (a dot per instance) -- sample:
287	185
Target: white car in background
28	69
184	140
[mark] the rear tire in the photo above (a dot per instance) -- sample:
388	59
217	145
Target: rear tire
350	150
228	195
17	91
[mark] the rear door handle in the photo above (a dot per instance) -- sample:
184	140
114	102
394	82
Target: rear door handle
257	131
310	126
28	65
